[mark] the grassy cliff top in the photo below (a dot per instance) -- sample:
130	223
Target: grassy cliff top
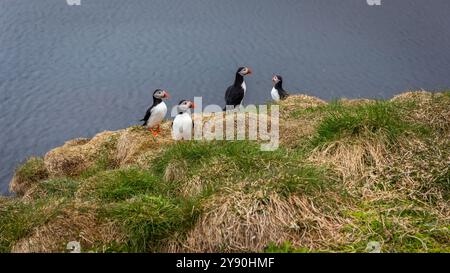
347	172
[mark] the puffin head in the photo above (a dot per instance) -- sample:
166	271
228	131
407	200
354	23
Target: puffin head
276	79
185	105
244	71
161	94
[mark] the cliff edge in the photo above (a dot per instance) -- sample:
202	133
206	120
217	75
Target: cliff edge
347	173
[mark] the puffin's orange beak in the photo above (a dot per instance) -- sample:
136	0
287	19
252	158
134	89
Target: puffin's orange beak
192	105
166	95
249	71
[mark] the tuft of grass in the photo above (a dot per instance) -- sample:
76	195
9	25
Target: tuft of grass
192	152
220	164
215	195
443	181
333	105
122	184
18	219
400	228
58	187
105	159
446	93
303	179
149	219
33	170
350	121
29	173
243	155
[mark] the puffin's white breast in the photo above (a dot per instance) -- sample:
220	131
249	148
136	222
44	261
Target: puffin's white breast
244	86
157	115
182	127
275	94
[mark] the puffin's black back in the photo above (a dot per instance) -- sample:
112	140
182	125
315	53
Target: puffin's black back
148	113
235	93
279	86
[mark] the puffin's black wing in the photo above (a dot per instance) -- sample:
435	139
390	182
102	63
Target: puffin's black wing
147	115
234	95
283	94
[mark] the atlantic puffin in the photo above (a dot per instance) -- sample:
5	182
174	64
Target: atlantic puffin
182	124
235	93
156	113
278	93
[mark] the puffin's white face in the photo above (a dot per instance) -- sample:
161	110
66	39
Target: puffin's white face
186	105
275	79
245	71
161	94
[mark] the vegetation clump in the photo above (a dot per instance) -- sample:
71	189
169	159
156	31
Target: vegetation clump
347	174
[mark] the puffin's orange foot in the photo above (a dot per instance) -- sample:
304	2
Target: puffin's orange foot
153	131
158	129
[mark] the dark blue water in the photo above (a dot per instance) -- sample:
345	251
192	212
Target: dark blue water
69	72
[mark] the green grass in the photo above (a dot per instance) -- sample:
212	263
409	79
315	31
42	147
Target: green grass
283	171
333	105
238	158
31	172
286	247
105	159
18	219
443	181
148	207
410	229
58	187
351	121
148	219
193	152
122	184
244	156
302	179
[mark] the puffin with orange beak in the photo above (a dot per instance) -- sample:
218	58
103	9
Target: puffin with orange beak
182	124
235	93
156	113
278	93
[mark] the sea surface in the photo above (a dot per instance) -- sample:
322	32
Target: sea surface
72	71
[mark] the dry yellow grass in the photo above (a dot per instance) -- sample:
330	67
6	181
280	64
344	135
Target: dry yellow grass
76	156
235	221
133	143
78	222
28	175
355	160
395	192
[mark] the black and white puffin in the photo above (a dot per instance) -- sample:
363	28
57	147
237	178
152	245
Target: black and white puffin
156	113
235	93
278	93
182	124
